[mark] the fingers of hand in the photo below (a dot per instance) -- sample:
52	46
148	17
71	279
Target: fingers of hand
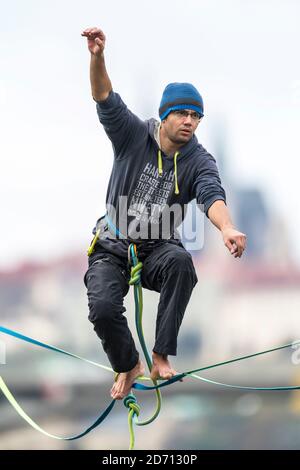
239	246
86	32
236	245
231	245
92	33
234	250
89	30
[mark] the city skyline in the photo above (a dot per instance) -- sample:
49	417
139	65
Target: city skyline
56	159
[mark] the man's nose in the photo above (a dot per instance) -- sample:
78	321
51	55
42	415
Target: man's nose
188	119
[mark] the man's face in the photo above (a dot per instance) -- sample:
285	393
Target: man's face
180	125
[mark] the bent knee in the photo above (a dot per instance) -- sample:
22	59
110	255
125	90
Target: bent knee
181	261
102	310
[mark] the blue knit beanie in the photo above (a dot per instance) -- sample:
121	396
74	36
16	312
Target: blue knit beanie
180	96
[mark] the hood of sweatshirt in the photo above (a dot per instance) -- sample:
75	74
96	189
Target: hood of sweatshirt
164	161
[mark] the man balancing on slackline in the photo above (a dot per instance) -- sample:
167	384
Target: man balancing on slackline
157	165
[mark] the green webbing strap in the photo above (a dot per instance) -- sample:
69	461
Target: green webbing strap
191	373
9	396
27	339
138	386
7	393
130	400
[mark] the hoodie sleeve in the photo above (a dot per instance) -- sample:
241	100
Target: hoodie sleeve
207	186
120	124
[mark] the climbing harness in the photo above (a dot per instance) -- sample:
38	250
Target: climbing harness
113	229
130	400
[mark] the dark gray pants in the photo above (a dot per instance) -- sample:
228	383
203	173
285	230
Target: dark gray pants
167	269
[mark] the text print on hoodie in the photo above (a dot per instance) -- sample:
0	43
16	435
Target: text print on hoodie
144	181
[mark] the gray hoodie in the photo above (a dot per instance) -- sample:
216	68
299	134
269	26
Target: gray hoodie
145	182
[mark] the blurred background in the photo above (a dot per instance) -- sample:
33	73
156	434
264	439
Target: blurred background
55	166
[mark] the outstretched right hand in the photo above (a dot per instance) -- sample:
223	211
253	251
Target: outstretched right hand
96	40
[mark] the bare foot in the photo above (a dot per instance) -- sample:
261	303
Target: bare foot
125	380
161	368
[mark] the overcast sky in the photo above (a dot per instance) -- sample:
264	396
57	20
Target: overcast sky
242	55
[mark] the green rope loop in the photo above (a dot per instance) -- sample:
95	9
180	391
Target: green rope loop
135	280
134	411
